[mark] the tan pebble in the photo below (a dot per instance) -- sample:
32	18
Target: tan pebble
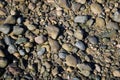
28	44
96	8
55	71
10	20
17	55
19	0
47	47
2	13
71	61
47	65
78	34
50	1
81	1
31	6
100	22
100	1
116	73
58	12
2	53
67	47
69	69
97	67
3	62
40	39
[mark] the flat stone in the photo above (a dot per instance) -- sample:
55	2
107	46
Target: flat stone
3	62
62	55
81	19
71	61
10	20
5	28
67	46
96	8
52	31
80	45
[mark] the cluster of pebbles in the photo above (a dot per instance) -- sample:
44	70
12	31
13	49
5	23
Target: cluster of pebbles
60	39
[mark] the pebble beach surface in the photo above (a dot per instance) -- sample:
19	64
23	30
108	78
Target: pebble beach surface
59	39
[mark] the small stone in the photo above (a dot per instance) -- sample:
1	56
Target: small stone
62	55
84	69
71	61
80	45
5	28
17	30
75	6
81	19
97	67
81	1
96	8
100	22
47	65
59	12
41	51
10	20
3	62
55	71
52	31
19	20
90	22
29	26
92	39
116	16
2	13
40	39
78	34
75	79
31	6
12	49
67	47
8	40
64	4
116	73
112	25
54	45
2	53
21	52
42	70
21	40
50	1
100	1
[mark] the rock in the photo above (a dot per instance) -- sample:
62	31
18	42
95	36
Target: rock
92	39
84	69
21	52
31	6
52	31
81	1
2	53
116	73
97	67
12	49
55	71
3	62
116	16
96	8
100	1
8	40
40	39
5	28
47	65
21	40
30	27
78	34
90	22
54	45
100	22
17	30
75	6
62	55
67	47
112	25
81	19
80	45
71	61
10	20
2	13
19	20
41	51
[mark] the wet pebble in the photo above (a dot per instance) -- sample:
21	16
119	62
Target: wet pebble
12	49
92	39
17	30
40	39
41	51
81	19
80	45
5	28
71	61
3	62
112	25
96	8
62	55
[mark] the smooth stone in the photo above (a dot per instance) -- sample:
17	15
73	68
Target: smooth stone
41	51
47	65
90	22
116	16
100	22
17	30
97	67
96	8
55	71
84	69
54	45
19	20
81	1
8	40
81	19
52	31
21	40
40	39
3	62
80	45
100	1
12	49
75	79
29	26
112	25
10	20
92	39
2	54
21	52
71	61
62	55
5	28
75	6
64	4
78	34
67	46
116	73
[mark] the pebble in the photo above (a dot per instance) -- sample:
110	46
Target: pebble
80	45
10	20
41	51
67	46
81	19
3	62
12	49
5	28
78	34
40	39
21	52
116	16
29	26
81	1
52	31
8	40
96	8
100	1
112	25
63	3
75	6
97	67
19	20
31	6
54	45
116	73
17	30
47	65
71	61
2	53
92	39
62	55
55	71
84	69
2	13
21	40
100	22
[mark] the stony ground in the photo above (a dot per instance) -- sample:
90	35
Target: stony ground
60	39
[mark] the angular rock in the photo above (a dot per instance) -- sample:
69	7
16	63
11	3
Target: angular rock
10	20
116	73
2	53
112	25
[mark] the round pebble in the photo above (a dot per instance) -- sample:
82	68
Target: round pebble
19	20
67	47
62	55
12	49
80	45
21	52
40	39
71	61
92	39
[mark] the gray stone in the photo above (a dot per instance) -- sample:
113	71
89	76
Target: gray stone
5	28
81	19
112	25
12	49
21	52
21	40
19	20
92	39
116	16
10	20
41	51
17	30
62	55
7	40
80	45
